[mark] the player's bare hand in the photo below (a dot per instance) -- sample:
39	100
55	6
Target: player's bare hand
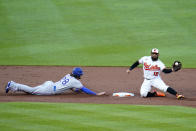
128	71
101	93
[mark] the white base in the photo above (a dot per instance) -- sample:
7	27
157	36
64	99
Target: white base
123	94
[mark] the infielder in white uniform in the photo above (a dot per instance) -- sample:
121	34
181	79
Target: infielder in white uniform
152	67
68	82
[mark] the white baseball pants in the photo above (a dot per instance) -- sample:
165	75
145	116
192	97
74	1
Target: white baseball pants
47	88
156	82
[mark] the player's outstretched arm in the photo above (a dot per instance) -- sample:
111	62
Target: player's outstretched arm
177	65
88	91
133	66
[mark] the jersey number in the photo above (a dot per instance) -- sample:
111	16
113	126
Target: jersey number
156	73
65	81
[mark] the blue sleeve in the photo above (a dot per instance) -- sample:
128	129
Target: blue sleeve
87	91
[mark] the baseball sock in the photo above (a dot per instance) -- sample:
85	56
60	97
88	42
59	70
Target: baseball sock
171	91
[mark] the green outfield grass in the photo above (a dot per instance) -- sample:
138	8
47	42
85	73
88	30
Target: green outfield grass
52	116
96	32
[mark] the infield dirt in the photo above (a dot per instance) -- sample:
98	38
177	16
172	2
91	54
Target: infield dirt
109	79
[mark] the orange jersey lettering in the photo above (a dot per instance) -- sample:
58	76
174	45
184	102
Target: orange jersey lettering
153	67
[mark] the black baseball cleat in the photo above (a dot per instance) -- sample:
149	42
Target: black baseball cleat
7	87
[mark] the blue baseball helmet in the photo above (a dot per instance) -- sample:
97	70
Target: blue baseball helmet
77	71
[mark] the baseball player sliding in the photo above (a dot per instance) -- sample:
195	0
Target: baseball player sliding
152	67
68	82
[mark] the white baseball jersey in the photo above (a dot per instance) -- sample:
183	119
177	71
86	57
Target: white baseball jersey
67	82
152	69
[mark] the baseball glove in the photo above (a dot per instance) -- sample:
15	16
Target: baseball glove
177	65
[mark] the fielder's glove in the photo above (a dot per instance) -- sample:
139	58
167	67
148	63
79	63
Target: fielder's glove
177	65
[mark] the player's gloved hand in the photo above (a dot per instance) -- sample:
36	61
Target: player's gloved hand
177	65
101	93
128	71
